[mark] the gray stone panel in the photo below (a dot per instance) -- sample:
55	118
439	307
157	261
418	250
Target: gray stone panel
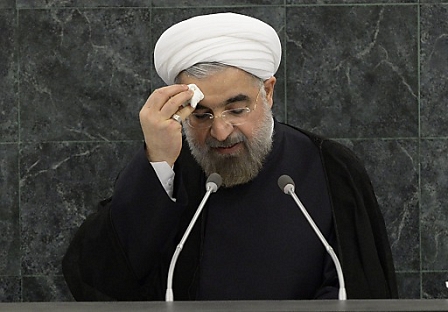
75	73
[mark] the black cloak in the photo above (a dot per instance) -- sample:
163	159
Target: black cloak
106	259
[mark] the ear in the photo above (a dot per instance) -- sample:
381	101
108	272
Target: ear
269	85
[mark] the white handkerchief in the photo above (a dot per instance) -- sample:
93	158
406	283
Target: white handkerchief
197	96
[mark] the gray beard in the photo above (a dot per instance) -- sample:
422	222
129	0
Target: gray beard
237	168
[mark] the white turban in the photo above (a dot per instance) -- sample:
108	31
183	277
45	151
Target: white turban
232	39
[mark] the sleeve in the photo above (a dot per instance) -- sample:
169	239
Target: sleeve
363	244
122	251
166	176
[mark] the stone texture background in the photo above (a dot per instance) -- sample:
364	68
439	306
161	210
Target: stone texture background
74	74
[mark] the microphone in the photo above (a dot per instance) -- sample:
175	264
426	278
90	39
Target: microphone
286	184
211	186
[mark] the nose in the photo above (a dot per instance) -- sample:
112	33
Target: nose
220	129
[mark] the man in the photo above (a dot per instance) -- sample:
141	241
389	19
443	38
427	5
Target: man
251	241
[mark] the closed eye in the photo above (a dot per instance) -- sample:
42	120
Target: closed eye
202	116
237	111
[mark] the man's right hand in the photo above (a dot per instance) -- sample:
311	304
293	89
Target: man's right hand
163	135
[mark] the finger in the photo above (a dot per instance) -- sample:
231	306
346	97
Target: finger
183	113
176	103
161	96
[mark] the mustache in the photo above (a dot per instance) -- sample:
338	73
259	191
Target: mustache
228	142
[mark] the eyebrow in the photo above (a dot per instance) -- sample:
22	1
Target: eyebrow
237	98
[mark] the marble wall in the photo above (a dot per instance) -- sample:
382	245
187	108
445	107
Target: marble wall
74	74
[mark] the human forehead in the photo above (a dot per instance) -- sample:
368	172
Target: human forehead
225	84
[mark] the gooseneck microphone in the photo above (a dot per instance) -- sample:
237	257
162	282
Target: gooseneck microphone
211	186
286	184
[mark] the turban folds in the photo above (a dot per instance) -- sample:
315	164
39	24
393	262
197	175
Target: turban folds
229	38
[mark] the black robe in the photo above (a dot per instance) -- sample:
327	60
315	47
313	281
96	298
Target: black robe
122	252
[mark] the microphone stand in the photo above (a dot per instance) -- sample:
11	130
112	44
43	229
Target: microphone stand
211	187
289	189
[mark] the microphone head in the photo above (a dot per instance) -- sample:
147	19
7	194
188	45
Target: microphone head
214	182
284	181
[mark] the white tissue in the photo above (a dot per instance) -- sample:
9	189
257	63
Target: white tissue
197	96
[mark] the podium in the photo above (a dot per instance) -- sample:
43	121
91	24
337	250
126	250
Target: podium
210	306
